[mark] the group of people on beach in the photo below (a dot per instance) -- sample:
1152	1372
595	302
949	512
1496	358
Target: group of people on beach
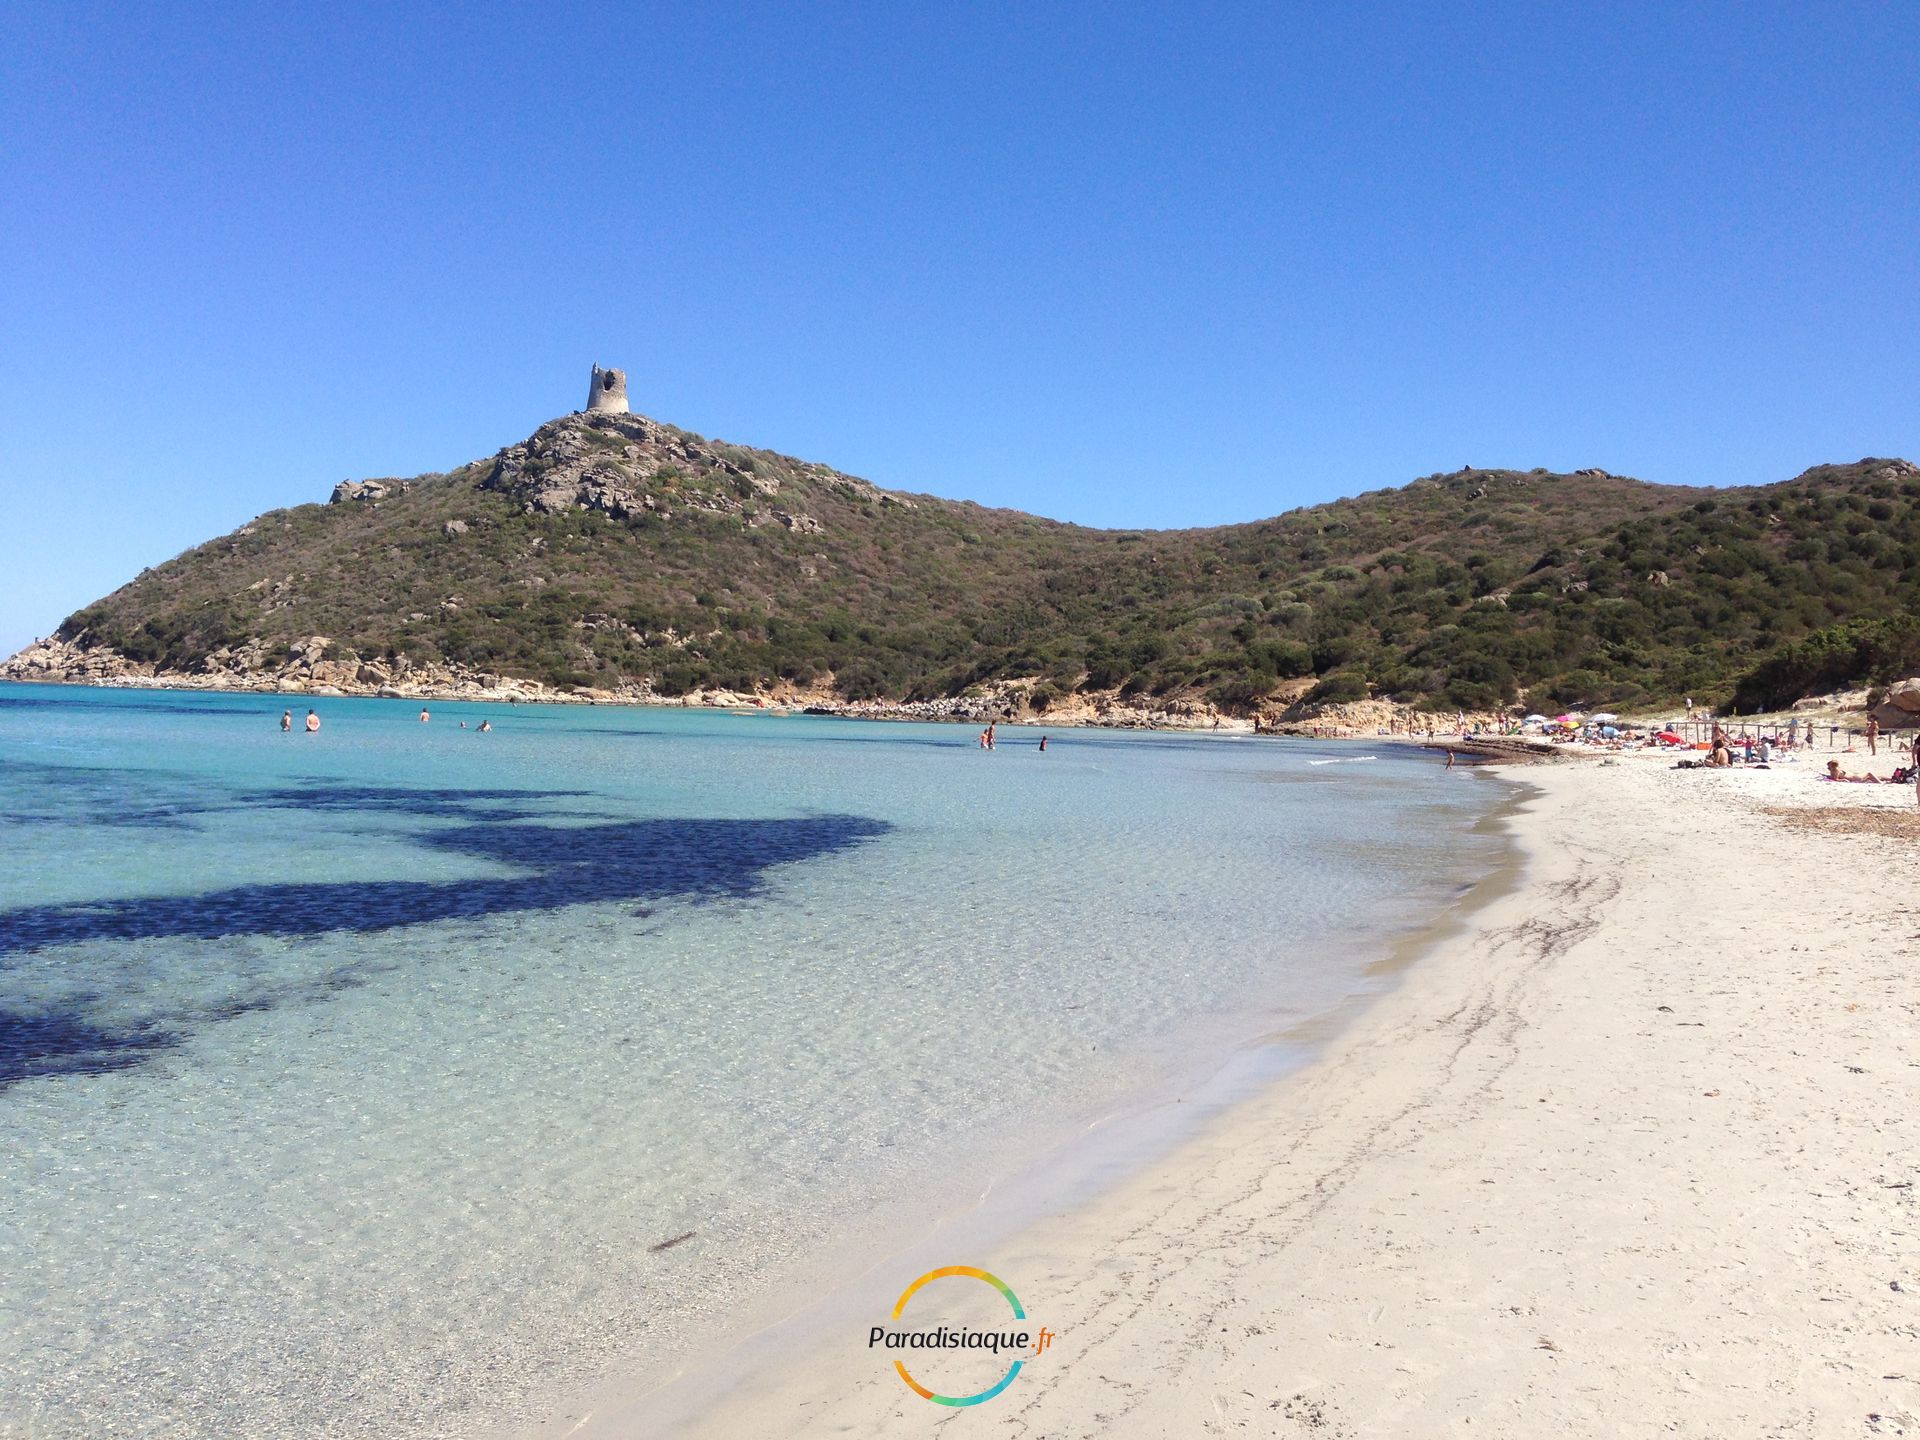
1759	744
1760	750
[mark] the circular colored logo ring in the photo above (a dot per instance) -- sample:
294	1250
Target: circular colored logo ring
919	1389
975	1274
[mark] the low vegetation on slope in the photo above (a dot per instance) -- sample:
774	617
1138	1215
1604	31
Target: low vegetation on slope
1865	650
612	549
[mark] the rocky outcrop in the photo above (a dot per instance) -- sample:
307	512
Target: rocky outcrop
57	661
1899	708
629	467
307	668
367	490
618	464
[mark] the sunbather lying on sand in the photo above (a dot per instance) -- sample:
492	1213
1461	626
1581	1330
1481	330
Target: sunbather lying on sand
1834	772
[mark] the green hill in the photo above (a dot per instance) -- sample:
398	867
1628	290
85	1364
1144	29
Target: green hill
611	551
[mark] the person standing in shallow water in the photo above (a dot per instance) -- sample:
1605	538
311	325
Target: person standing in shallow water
286	721
313	723
424	716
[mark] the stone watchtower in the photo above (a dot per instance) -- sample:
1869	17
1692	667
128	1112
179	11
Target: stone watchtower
608	393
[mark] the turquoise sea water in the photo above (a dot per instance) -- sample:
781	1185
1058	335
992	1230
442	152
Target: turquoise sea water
348	1081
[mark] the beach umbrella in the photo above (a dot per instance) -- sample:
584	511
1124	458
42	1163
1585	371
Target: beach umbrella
1536	719
1566	719
1605	717
1607	732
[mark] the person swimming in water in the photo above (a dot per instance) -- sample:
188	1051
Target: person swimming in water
424	716
286	721
313	723
485	726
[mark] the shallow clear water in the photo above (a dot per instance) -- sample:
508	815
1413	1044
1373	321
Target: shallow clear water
346	1081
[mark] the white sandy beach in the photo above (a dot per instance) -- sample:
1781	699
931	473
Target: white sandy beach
1636	1153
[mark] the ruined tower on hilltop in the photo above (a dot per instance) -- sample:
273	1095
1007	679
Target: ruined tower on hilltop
608	393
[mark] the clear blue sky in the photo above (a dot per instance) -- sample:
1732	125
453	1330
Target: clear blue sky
1116	264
